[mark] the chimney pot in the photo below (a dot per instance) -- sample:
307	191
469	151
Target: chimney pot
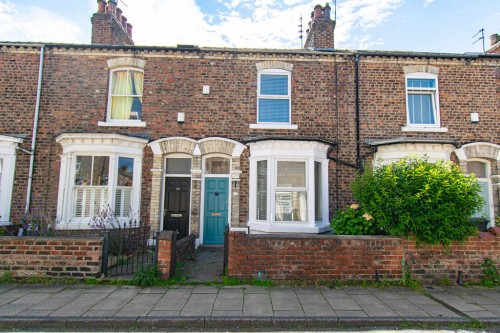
101	6
129	29
111	7
119	14
317	11
124	22
327	11
493	39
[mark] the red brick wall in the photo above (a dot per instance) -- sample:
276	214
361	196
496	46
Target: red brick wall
330	258
314	258
166	256
56	257
433	263
171	250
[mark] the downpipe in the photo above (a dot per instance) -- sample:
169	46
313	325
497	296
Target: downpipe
35	129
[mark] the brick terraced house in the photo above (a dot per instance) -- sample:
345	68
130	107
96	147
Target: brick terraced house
191	139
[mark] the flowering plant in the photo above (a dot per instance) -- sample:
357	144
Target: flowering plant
354	220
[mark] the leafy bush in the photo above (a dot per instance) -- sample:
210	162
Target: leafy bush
491	276
431	201
148	275
354	221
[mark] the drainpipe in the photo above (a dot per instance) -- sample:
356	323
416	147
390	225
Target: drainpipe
35	128
358	143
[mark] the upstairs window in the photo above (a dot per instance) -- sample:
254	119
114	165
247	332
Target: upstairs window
422	100
125	96
274	91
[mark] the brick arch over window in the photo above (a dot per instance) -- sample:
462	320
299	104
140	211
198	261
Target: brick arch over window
421	69
221	146
484	150
126	62
163	147
273	64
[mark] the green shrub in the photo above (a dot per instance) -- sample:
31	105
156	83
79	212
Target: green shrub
354	221
491	276
148	275
413	197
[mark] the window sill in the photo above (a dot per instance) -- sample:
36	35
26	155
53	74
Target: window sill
274	126
288	228
122	123
424	129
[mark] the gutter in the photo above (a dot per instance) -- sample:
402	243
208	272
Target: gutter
35	129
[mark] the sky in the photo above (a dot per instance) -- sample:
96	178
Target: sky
398	25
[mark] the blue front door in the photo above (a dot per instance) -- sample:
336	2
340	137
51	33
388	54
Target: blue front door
216	201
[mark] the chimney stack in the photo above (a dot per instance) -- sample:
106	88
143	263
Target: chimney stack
109	26
321	28
493	39
494	44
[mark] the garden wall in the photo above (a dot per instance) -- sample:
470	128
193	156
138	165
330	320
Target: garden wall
49	256
313	258
170	250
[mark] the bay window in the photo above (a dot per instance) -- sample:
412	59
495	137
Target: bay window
98	172
288	186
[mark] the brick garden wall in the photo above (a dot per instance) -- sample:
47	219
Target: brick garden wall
313	258
171	250
54	257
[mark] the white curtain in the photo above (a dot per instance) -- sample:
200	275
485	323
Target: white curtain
119	101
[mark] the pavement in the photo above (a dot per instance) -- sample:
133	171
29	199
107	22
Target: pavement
202	307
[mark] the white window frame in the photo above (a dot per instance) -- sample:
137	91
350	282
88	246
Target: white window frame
434	93
116	122
288	97
300	151
8	155
276	188
112	145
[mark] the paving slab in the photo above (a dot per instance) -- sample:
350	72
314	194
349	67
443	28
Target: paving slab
231	313
343	304
318	310
134	310
109	304
163	313
32	298
12	309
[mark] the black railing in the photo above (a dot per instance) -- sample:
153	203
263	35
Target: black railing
128	248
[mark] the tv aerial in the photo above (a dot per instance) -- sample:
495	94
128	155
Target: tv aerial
481	31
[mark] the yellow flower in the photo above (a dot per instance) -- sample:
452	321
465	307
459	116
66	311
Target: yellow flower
354	206
367	216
